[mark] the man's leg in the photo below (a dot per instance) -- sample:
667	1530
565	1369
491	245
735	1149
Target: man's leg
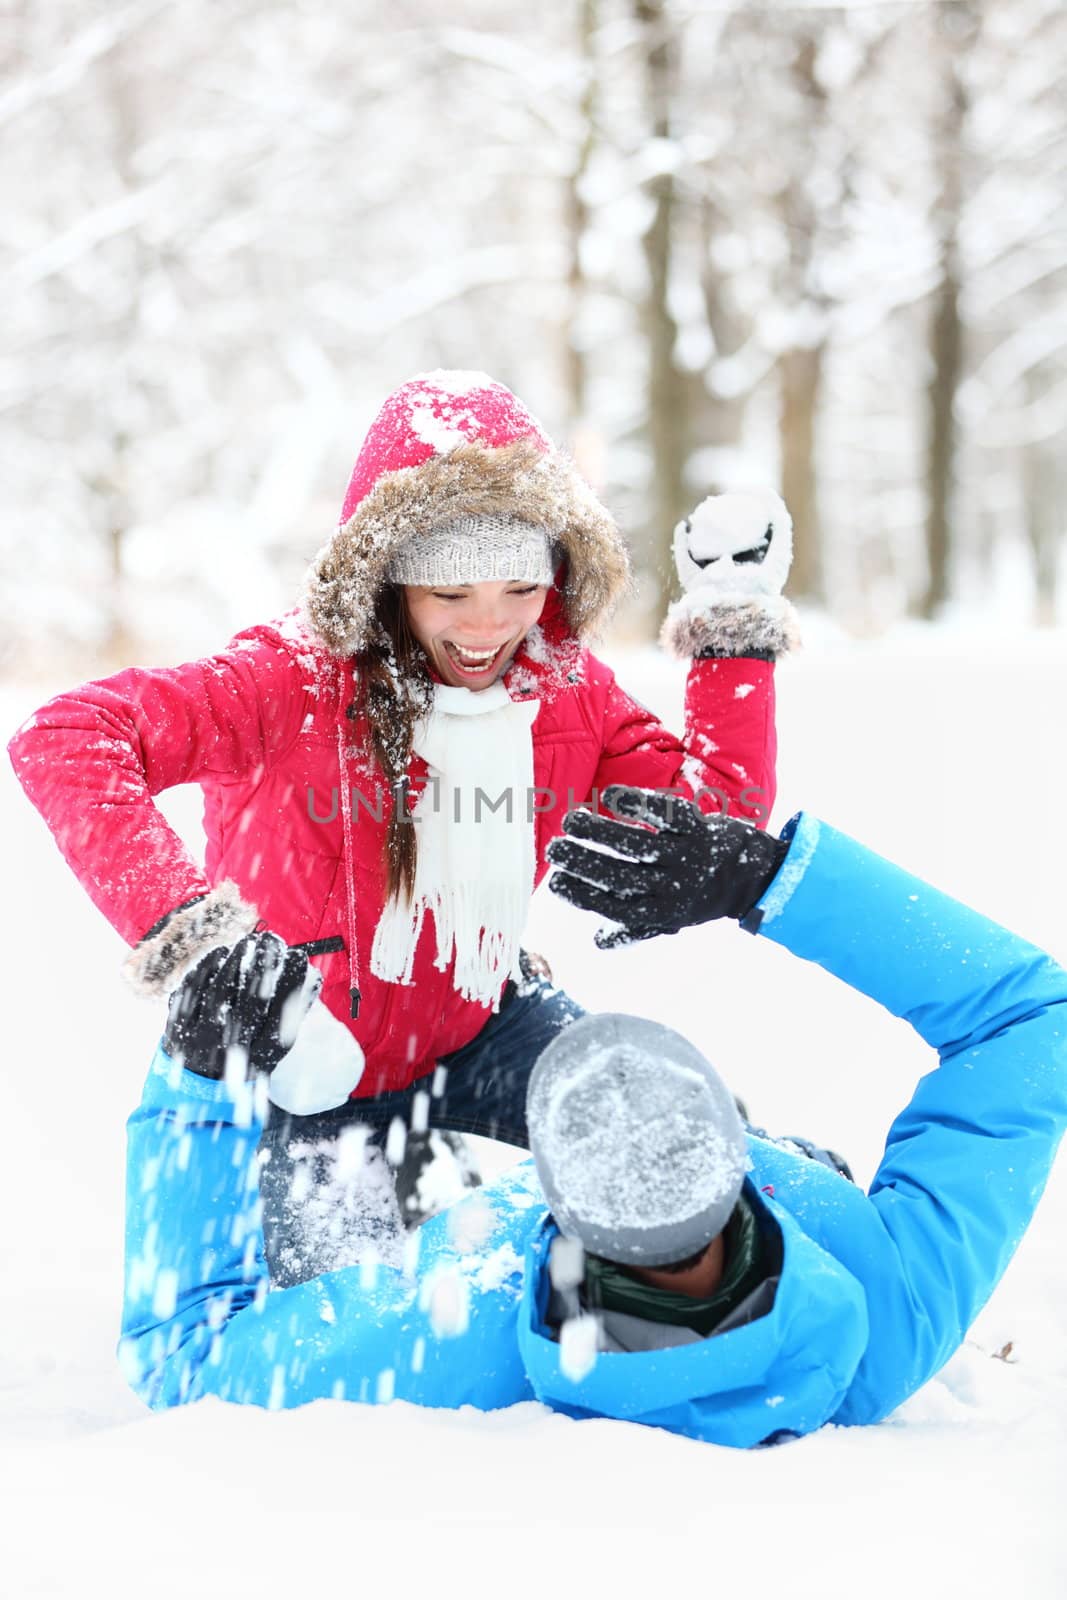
193	1255
197	1318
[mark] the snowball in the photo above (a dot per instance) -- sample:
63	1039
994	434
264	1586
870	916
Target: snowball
566	1263
578	1347
446	1297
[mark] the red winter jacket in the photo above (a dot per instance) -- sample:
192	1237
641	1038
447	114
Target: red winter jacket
257	727
263	727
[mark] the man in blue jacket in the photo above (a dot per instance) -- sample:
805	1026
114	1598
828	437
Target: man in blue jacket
762	1297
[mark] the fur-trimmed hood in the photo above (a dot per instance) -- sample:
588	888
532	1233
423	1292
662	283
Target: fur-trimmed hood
450	444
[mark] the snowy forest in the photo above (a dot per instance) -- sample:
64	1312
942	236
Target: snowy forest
711	243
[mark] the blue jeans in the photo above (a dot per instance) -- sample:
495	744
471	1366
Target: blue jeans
323	1181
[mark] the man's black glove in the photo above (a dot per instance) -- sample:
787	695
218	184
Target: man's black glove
249	998
691	869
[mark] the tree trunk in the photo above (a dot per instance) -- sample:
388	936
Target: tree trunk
946	351
800	369
576	219
1043	483
957	24
717	421
120	645
668	431
116	511
800	375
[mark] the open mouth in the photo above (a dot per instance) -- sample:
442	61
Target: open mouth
473	663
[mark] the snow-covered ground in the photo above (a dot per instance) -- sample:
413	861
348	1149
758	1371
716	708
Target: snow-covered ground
944	750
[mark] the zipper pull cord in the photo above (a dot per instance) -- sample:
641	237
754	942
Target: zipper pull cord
350	876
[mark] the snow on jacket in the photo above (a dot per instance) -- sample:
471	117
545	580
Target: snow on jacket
875	1292
265	728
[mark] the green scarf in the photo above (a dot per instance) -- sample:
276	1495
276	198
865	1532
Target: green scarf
747	1263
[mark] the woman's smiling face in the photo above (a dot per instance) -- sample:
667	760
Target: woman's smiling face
471	631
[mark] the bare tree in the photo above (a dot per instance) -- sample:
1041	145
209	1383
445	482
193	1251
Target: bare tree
576	211
800	367
1010	405
719	402
668	388
681	231
1044	481
957	25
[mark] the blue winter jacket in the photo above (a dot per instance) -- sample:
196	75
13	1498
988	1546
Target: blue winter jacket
876	1291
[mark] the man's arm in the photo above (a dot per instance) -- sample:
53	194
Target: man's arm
967	1160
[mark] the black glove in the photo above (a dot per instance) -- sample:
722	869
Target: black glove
251	996
692	869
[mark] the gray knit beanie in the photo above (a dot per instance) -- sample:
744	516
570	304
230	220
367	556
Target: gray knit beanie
475	550
637	1140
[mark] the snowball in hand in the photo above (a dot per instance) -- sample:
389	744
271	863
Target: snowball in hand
323	1066
737	542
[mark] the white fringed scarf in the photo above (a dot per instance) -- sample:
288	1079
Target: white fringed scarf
475	869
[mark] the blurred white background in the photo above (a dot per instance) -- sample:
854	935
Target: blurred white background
820	245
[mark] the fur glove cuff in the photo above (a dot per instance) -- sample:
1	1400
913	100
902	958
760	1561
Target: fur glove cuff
157	964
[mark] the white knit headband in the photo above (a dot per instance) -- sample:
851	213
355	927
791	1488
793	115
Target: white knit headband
475	550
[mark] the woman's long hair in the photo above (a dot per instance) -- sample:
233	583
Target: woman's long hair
393	690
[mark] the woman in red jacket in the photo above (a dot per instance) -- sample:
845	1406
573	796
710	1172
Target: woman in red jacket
401	753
